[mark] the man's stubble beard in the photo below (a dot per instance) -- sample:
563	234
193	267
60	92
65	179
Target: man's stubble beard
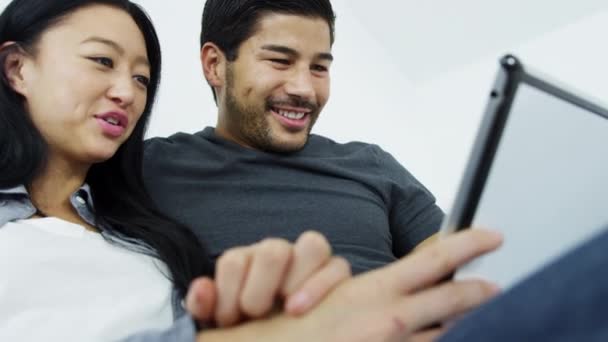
251	124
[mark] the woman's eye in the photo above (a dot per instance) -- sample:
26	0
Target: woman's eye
105	61
319	68
143	80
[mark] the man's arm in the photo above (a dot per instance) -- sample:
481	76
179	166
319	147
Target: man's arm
396	302
414	216
431	239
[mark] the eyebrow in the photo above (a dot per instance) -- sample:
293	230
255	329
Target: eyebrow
112	44
293	53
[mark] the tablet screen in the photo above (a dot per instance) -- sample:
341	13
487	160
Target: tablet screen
547	189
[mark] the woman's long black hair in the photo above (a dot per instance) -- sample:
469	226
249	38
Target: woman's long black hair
122	205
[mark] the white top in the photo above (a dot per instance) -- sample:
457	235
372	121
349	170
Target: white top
61	282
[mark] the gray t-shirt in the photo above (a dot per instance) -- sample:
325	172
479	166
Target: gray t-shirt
370	208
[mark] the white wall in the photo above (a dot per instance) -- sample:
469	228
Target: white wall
411	76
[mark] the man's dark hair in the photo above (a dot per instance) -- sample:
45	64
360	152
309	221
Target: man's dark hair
228	23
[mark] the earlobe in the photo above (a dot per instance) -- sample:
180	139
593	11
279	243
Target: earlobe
213	61
13	58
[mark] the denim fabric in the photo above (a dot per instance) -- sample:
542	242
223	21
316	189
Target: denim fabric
182	330
565	301
15	204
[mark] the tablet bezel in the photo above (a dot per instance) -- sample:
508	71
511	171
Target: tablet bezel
511	75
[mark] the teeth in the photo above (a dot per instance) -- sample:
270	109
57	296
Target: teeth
291	115
112	121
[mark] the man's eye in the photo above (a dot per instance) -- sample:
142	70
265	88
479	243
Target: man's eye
143	80
280	61
103	61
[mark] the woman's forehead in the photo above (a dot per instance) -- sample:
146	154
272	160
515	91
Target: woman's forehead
98	23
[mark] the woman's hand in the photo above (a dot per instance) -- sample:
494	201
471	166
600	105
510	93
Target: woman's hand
250	281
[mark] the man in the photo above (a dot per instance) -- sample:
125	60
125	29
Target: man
260	172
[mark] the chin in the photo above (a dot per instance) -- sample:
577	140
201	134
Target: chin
101	156
288	145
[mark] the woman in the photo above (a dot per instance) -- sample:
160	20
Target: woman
79	80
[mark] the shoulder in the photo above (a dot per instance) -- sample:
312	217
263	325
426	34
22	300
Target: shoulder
177	140
371	157
178	149
179	145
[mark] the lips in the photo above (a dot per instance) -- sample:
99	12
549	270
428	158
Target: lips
293	119
290	114
114	118
113	124
294	114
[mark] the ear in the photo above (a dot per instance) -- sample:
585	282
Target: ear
213	61
13	60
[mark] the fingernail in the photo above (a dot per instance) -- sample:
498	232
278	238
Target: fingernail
298	303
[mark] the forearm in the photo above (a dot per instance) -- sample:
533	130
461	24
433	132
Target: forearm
279	328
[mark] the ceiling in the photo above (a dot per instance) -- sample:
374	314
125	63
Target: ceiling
428	38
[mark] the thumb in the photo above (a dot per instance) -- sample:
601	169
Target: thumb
201	299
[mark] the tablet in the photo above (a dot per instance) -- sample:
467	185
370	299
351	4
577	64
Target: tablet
538	172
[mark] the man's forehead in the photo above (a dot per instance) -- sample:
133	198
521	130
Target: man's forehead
304	34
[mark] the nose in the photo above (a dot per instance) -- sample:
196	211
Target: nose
122	91
300	84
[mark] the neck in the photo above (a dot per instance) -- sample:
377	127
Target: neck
222	131
50	191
